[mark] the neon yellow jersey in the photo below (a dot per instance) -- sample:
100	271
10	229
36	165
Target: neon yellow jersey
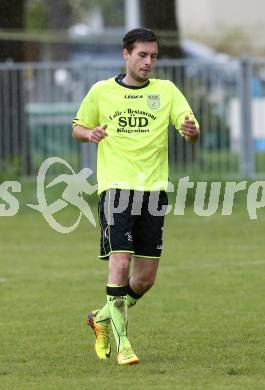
135	153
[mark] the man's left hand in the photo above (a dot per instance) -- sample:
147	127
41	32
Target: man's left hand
189	130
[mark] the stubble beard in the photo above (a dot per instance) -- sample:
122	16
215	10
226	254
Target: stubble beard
138	78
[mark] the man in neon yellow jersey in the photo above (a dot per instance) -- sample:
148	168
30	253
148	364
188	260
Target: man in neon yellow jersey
128	117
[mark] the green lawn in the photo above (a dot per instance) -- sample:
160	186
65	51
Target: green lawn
200	327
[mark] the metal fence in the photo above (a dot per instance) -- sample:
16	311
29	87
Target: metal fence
39	101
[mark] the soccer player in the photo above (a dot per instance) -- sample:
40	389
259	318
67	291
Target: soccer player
128	117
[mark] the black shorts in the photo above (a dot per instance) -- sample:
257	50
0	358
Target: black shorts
132	221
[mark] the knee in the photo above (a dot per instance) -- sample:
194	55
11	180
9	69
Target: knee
120	263
144	284
122	267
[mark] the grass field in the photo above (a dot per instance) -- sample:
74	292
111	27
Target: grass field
200	327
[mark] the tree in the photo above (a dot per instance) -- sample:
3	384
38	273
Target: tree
12	16
160	17
112	10
59	19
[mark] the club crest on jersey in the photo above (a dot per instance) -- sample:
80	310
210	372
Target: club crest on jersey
153	101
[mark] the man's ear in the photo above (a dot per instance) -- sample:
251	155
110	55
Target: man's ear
125	54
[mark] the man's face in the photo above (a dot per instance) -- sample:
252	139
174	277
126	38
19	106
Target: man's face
141	60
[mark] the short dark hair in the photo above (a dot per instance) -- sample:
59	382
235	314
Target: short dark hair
139	35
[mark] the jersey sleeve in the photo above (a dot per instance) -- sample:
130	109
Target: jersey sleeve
180	108
87	114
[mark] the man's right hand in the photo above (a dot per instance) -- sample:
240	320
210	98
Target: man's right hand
98	134
83	134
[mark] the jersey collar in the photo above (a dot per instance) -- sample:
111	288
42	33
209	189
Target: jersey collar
119	80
